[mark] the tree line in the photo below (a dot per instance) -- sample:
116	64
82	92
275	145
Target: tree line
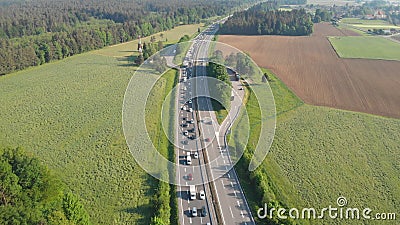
266	19
30	194
222	90
40	31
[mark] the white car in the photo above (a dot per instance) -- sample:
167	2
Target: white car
196	155
190	110
194	212
202	195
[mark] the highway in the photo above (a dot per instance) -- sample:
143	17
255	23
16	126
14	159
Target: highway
199	133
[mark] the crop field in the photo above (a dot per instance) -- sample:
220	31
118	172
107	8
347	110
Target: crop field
366	47
311	68
68	114
320	154
368	24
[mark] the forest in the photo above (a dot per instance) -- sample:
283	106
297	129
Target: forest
267	19
40	31
31	194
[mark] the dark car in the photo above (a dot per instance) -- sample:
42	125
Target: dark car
203	211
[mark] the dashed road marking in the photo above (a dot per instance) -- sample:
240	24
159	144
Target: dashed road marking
230	209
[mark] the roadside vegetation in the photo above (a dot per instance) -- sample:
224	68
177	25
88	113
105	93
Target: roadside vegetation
319	154
165	200
220	90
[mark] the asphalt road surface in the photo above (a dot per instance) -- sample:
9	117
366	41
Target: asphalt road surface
199	134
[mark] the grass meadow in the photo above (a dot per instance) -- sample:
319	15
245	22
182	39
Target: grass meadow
320	154
366	47
68	114
368	24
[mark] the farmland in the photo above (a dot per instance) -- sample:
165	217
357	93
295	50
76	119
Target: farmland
319	154
311	68
366	47
368	24
68	114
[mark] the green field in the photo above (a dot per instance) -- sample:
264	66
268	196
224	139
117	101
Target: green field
319	154
362	26
366	47
68	114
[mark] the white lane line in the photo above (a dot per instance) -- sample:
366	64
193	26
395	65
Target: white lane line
190	219
231	184
201	220
222	184
185	169
238	203
230	209
235	193
229	176
224	161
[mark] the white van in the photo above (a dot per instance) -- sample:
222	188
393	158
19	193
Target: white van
189	160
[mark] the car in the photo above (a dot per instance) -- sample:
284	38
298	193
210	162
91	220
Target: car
184	107
191	130
189	176
207	140
186	133
196	155
190	110
240	88
191	121
202	195
192	137
194	211
184	125
203	211
190	101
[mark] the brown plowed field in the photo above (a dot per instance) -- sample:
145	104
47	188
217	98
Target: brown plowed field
310	67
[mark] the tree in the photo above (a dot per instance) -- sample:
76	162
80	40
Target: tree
160	45
139	60
74	209
30	194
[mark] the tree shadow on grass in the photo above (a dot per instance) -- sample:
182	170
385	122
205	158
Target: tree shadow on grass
129	61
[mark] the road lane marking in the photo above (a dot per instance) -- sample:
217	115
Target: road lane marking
230	209
185	169
238	203
235	193
222	184
231	184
